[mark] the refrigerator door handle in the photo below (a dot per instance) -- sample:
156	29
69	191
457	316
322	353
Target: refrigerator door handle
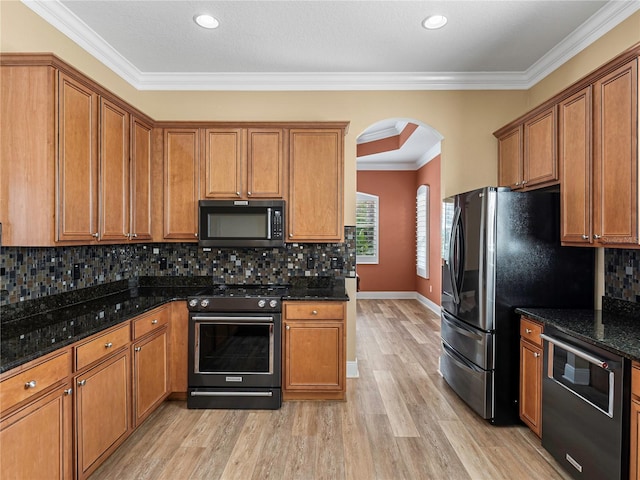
453	269
467	332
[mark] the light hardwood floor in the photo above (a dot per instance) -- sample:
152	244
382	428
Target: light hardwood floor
400	421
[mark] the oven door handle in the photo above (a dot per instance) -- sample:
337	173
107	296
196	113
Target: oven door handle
232	394
232	319
577	352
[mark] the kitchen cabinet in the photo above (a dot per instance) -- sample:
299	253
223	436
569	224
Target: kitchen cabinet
141	183
314	356
103	411
316	178
181	179
36	403
530	406
179	341
244	163
150	362
634	467
527	152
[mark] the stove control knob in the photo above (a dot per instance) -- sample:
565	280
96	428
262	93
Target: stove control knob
193	302
261	303
273	303
204	303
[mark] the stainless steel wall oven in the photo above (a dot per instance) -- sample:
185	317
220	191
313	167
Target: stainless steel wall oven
234	349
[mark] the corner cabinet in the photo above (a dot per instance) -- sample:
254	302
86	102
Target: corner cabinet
316	182
530	407
314	351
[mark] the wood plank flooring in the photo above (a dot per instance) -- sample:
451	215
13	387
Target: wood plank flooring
400	421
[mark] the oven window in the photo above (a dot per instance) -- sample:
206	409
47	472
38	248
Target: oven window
230	225
234	348
585	379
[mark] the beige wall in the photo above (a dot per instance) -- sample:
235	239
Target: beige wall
466	119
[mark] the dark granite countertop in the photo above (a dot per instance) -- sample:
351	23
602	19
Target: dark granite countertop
613	330
31	329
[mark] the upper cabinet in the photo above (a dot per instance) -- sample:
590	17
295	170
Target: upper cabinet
244	163
527	152
316	173
69	173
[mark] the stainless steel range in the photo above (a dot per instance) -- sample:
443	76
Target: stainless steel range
235	347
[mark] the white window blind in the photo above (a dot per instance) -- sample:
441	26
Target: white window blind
367	207
422	231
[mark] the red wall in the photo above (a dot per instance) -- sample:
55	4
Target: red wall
396	270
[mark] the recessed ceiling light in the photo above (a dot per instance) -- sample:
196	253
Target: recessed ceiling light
206	21
434	22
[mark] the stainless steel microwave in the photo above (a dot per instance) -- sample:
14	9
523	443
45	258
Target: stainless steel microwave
241	223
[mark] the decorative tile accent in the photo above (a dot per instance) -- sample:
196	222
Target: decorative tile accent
28	272
618	283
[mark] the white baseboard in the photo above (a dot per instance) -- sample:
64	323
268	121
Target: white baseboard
352	369
434	307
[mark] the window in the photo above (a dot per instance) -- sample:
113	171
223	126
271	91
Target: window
366	228
422	231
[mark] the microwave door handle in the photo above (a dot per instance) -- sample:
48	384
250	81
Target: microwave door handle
269	219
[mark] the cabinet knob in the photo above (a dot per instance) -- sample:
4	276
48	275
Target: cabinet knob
68	391
528	330
108	345
585	237
249	194
536	354
237	194
314	312
82	383
154	322
517	184
597	237
291	234
134	235
288	327
524	182
137	349
31	384
195	234
95	235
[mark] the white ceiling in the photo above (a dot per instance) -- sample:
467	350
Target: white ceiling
333	45
337	45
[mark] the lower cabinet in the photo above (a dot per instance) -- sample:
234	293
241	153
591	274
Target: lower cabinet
530	406
36	441
103	411
314	356
150	373
634	434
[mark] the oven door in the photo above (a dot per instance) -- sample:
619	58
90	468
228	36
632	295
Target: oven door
234	351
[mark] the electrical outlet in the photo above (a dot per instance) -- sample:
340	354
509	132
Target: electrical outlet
310	262
76	272
163	263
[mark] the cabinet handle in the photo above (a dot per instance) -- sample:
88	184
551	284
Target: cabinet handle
517	184
528	330
68	391
597	237
154	322
291	234
237	194
31	384
95	235
314	312
195	234
585	237
288	327
249	194
536	354
137	349
108	345
524	182
134	235
82	383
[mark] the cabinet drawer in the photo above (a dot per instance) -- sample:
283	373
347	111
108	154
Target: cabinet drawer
101	346
531	331
314	311
149	322
28	383
635	379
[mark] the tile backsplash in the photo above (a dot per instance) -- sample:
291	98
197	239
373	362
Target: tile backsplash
29	272
622	274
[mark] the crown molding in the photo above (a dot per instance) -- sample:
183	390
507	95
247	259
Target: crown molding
69	24
425	158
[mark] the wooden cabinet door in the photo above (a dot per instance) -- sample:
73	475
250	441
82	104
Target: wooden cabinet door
574	140
314	355
510	164
114	172
634	472
140	181
179	339
36	441
77	181
540	154
265	163
102	411
531	386
181	165
615	157
224	155
316	178
150	374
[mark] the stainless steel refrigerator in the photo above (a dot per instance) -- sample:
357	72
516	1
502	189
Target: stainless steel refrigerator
501	250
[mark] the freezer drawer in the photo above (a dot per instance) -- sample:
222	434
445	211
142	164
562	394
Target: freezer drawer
471	383
470	342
